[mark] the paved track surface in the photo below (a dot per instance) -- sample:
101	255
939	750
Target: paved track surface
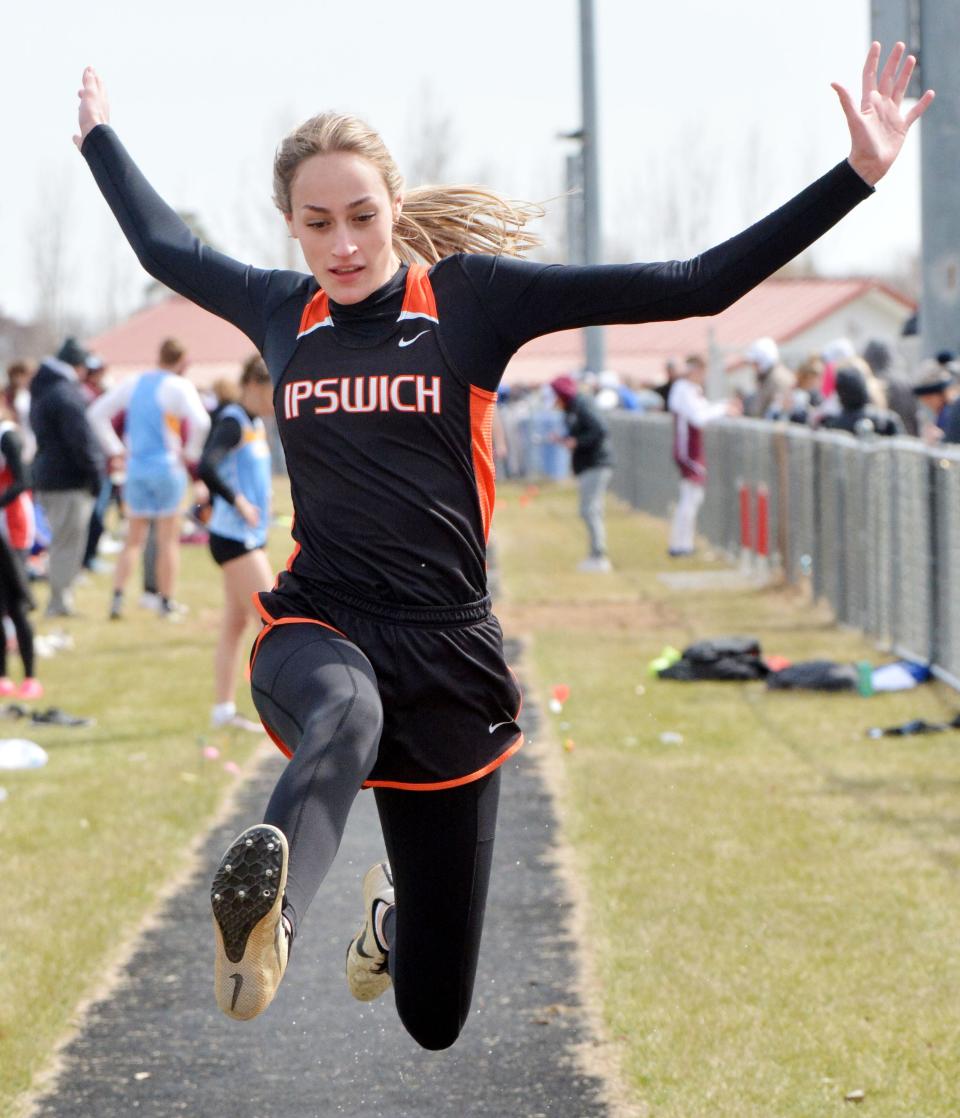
158	1047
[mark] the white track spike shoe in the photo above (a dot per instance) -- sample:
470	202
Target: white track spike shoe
251	939
367	974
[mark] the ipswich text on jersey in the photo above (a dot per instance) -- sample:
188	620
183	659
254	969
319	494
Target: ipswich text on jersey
412	392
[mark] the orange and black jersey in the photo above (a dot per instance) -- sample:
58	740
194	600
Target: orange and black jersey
388	443
388	448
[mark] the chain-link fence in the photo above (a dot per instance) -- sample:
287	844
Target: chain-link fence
873	523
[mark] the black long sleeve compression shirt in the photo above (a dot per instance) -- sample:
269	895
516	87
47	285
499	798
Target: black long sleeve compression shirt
225	436
494	304
386	430
11	448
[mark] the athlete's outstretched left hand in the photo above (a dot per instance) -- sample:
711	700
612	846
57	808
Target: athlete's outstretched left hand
94	107
879	127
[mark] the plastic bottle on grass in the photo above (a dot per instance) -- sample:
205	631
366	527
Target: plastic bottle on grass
865	678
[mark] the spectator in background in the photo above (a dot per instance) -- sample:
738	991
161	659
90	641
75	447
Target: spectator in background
93	386
630	399
235	467
691	413
774	380
67	469
592	464
836	354
16	539
899	393
609	391
91	383
222	392
158	403
948	359
935	391
17	396
672	370
858	414
606	390
806	396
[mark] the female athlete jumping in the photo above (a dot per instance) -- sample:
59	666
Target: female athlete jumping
379	663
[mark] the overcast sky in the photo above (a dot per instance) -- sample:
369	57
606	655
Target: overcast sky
726	108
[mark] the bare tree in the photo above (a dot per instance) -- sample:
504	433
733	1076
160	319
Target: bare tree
431	143
673	202
262	237
113	276
754	179
50	257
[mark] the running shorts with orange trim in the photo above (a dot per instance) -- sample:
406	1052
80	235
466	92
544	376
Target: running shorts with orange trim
450	702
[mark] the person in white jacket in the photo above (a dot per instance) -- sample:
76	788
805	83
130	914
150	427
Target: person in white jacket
691	411
161	407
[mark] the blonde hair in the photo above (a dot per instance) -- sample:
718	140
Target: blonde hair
876	391
809	372
435	221
225	391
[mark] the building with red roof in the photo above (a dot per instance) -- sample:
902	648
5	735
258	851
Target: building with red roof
802	315
215	348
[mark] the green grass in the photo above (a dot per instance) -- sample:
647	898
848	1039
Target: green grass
773	903
91	839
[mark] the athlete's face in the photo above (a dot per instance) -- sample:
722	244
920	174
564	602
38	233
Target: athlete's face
343	217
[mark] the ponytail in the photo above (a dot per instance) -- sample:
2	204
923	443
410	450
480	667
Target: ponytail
437	221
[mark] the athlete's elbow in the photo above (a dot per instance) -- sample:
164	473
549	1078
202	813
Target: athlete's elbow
711	303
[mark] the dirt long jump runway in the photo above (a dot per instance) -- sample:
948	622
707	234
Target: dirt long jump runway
158	1047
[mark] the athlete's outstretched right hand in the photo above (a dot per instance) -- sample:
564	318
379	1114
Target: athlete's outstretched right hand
94	107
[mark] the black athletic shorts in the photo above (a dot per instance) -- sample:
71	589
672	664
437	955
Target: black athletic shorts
223	549
450	703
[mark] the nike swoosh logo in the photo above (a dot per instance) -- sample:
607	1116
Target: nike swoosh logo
276	942
410	341
361	944
496	725
237	984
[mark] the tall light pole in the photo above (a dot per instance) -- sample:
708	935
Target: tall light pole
939	160
931	31
594	338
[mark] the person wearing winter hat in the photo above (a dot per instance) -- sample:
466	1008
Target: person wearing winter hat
67	467
592	464
774	380
934	389
948	359
901	399
858	414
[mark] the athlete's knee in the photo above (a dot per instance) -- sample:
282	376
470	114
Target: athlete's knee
349	723
432	1022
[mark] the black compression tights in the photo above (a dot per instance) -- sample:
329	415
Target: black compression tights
440	847
24	631
319	693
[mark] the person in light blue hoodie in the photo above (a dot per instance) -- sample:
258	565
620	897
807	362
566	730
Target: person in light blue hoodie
164	428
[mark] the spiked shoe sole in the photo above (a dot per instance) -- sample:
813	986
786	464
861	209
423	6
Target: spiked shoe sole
251	944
